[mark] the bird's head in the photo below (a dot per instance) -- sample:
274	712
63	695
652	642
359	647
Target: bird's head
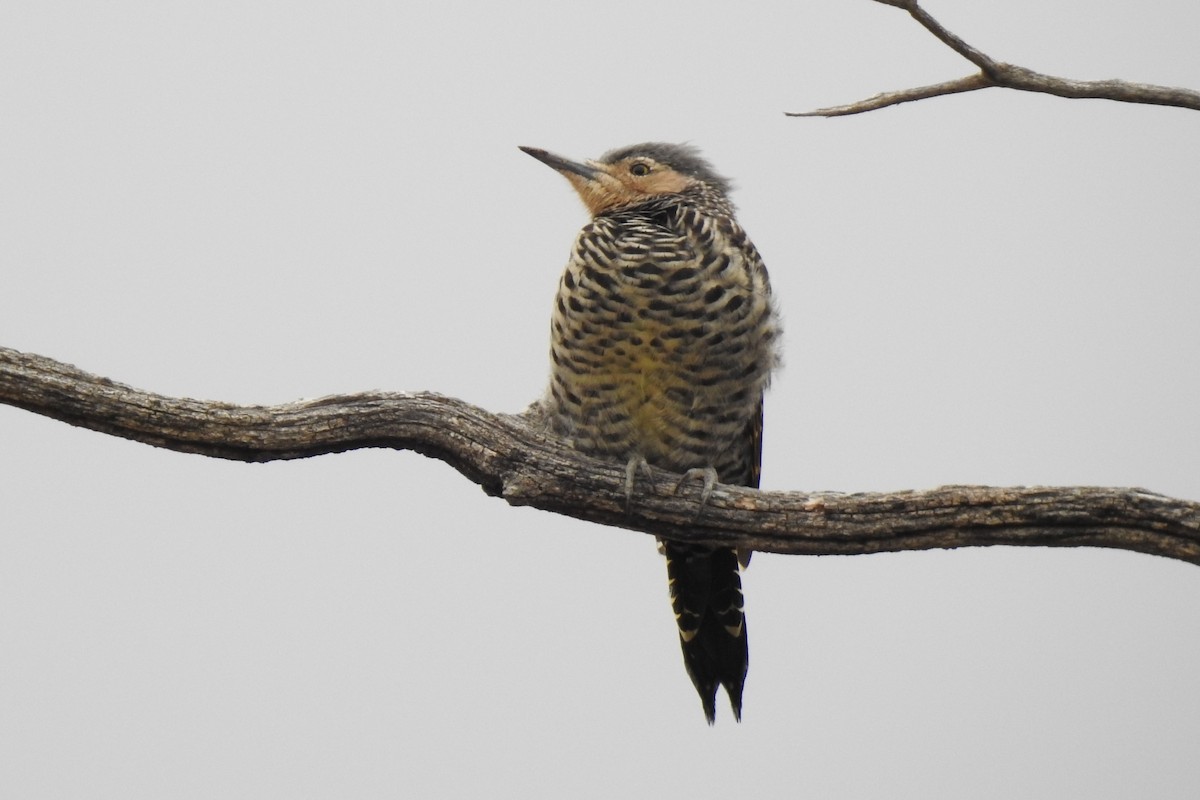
629	176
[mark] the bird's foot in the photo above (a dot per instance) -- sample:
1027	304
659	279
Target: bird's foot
636	464
706	474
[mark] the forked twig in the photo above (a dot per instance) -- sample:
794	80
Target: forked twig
1008	76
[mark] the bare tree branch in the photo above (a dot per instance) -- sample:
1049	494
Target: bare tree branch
512	457
1009	76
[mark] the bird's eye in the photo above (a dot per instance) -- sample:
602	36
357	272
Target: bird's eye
639	169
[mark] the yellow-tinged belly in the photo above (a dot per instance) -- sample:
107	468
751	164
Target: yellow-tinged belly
642	393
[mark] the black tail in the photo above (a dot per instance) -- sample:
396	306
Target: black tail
706	596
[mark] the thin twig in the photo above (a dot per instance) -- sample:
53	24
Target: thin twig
967	84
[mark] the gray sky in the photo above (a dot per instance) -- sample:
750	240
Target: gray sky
258	202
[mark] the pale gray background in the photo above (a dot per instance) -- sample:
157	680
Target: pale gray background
262	202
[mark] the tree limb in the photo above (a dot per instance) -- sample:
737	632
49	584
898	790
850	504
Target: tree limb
1009	76
512	457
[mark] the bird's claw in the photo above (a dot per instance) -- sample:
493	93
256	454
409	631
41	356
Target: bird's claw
635	464
706	474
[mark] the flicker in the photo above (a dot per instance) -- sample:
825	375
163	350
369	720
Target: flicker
663	338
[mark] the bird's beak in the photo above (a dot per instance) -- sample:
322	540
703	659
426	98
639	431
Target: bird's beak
561	164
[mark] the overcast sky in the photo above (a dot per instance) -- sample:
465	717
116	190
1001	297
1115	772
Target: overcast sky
259	202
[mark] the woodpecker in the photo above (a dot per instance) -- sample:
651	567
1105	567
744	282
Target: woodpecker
663	338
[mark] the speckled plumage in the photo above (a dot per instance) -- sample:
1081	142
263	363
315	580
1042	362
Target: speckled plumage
663	339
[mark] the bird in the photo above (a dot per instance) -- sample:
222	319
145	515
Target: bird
664	335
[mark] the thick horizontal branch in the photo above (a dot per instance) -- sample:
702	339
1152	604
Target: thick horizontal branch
1008	76
510	456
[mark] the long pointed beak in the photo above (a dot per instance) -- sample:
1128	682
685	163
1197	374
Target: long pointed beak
561	164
